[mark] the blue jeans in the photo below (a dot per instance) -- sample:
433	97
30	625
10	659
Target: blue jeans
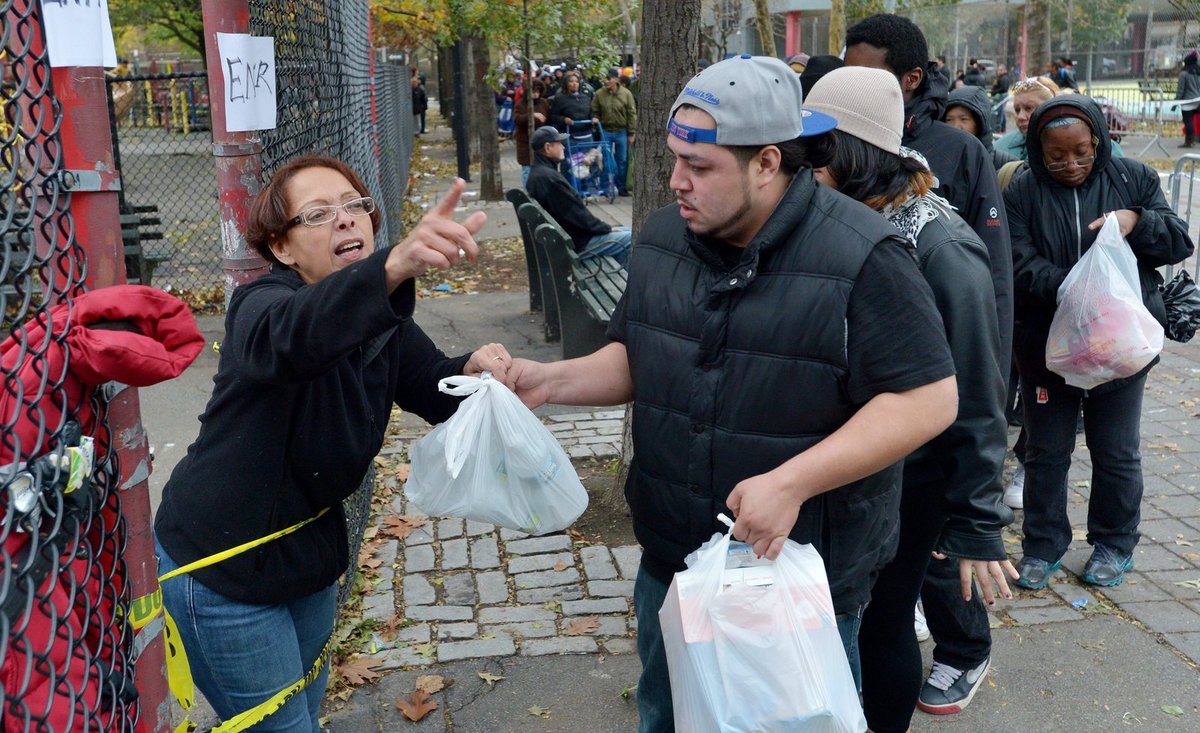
656	712
242	654
615	244
1112	425
524	176
619	140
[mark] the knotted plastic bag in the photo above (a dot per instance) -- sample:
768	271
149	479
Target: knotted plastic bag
753	645
1101	330
1182	300
494	461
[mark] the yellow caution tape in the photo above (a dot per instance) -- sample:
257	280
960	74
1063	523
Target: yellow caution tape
179	674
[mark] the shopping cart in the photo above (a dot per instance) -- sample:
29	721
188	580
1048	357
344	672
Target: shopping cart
505	123
591	167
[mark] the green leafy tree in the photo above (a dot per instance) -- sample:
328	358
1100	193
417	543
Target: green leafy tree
179	20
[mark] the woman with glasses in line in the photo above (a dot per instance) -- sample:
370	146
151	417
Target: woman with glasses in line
1054	214
315	354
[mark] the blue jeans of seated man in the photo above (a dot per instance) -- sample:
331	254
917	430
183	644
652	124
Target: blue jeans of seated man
656	712
242	654
615	244
619	139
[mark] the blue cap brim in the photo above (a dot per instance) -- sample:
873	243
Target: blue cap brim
816	123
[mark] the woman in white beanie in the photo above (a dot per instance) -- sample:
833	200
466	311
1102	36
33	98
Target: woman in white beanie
950	502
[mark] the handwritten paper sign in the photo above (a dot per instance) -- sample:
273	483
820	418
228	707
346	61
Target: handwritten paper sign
78	33
248	65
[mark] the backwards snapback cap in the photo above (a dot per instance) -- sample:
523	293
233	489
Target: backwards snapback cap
755	100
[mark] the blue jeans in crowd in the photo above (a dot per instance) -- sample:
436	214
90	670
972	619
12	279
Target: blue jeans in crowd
1112	425
656	712
619	139
242	654
615	244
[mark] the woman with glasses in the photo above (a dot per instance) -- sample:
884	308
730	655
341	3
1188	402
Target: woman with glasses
1055	213
315	355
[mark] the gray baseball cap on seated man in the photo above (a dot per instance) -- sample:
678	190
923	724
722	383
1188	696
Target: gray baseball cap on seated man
546	134
755	100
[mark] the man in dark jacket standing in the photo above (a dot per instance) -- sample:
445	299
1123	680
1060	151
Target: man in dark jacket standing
420	103
967	179
790	417
549	188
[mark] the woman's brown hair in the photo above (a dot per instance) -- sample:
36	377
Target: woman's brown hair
270	212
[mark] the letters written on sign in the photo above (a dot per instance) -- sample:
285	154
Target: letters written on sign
248	68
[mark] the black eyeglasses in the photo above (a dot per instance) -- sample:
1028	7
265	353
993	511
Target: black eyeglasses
1062	165
318	215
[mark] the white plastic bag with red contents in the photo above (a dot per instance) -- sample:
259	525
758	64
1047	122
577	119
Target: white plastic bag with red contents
494	461
753	645
1102	330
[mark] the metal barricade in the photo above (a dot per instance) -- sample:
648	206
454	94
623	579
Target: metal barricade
1181	188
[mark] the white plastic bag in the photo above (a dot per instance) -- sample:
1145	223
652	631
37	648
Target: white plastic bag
494	461
753	645
1101	330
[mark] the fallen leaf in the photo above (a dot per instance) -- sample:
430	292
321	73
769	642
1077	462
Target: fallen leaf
431	683
552	606
1192	556
358	671
1195	584
1172	710
1183	543
560	566
402	470
417	705
437	581
539	711
391	625
401	525
425	650
583	625
489	678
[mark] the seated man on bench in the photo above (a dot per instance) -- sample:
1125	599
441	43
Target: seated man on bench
555	194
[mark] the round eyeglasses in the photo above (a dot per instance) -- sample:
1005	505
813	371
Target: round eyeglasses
1062	165
318	215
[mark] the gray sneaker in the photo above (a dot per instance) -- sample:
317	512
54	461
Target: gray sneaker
1107	566
949	690
1035	572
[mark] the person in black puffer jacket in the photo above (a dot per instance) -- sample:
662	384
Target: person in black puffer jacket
970	110
1056	211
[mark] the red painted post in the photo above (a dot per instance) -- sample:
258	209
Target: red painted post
238	154
793	42
91	176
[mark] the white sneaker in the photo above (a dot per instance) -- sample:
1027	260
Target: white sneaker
1014	493
919	624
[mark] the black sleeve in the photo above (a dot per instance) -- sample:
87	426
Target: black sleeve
985	214
277	334
564	205
1035	277
895	338
1160	237
420	366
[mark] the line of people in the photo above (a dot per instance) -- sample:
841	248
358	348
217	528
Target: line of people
866	418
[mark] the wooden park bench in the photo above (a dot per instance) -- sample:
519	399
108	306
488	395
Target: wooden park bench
145	247
586	290
519	197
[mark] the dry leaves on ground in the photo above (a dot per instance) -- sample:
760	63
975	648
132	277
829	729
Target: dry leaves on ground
417	705
358	671
539	712
489	678
401	526
583	625
432	683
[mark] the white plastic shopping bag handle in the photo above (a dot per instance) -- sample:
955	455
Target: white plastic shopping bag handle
459	441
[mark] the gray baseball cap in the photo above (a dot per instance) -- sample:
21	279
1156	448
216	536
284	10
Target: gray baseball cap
545	134
755	100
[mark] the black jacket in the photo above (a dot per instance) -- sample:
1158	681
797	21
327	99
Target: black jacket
297	414
729	385
976	101
577	106
967	179
420	101
554	193
1050	233
965	461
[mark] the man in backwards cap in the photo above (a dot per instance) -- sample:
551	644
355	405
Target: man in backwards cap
780	348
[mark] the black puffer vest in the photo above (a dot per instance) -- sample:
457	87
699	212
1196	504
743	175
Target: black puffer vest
737	371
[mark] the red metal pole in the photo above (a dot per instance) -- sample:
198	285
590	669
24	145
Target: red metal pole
94	182
238	154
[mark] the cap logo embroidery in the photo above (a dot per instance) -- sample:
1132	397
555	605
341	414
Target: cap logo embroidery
702	95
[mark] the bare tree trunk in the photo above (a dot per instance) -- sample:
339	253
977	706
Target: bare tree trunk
766	30
670	49
445	81
1037	53
837	26
490	186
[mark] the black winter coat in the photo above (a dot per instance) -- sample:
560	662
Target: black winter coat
577	106
967	179
976	101
965	461
298	412
1050	233
728	384
554	193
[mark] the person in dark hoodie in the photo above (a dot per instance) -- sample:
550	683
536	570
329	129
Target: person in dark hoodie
970	110
1188	87
551	189
967	179
950	498
1056	212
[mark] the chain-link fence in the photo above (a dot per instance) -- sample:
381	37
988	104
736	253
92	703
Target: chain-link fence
64	648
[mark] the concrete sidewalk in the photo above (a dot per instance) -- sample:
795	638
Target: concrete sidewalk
478	599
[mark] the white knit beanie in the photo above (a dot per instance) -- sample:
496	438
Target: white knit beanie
867	103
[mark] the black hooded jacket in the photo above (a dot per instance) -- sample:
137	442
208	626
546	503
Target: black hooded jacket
1050	233
976	101
552	190
967	179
